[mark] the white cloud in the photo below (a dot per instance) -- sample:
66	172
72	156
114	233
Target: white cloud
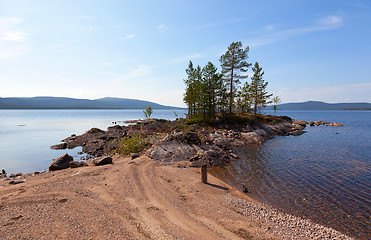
331	20
129	36
162	27
140	71
327	23
90	28
8	31
12	39
107	63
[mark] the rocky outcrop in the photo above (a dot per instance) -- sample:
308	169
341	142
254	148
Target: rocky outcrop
335	124
214	148
192	144
319	123
61	162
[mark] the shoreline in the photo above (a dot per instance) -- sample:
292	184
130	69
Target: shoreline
237	206
141	198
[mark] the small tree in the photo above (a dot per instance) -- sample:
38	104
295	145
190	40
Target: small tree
276	100
148	112
244	98
260	97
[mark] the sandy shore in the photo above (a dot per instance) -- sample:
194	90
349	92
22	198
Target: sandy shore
139	199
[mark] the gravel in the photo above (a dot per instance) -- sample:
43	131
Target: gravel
283	225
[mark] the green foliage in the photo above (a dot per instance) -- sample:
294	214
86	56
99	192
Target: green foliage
209	93
259	96
233	64
132	144
276	100
148	112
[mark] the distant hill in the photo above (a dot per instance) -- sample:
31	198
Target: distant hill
72	103
316	105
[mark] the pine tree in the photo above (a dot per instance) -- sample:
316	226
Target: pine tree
212	85
190	82
233	63
260	97
244	98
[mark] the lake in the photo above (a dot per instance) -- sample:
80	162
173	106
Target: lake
323	175
26	135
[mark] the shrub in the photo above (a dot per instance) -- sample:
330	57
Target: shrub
132	144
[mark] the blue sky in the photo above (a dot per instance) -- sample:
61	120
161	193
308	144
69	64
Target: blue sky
309	49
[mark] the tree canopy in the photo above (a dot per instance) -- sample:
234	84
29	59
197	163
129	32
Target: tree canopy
209	92
234	64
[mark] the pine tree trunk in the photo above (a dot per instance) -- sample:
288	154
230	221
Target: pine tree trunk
231	94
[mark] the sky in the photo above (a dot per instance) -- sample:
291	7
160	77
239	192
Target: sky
308	49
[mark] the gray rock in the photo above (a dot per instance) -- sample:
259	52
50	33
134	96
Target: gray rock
61	162
172	151
17	181
102	161
252	137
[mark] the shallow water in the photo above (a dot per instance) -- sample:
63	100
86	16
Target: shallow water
323	175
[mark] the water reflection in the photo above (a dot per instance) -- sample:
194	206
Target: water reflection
306	178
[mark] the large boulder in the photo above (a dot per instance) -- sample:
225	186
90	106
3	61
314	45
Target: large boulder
172	151
61	162
102	161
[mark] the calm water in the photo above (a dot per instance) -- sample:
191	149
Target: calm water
26	135
324	174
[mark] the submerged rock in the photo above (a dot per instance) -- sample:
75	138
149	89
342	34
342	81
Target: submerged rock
61	162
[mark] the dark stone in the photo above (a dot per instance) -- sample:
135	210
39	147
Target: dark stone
102	161
245	189
59	146
3	174
61	162
17	181
134	155
76	164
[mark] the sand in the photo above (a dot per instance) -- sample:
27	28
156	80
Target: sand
138	199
